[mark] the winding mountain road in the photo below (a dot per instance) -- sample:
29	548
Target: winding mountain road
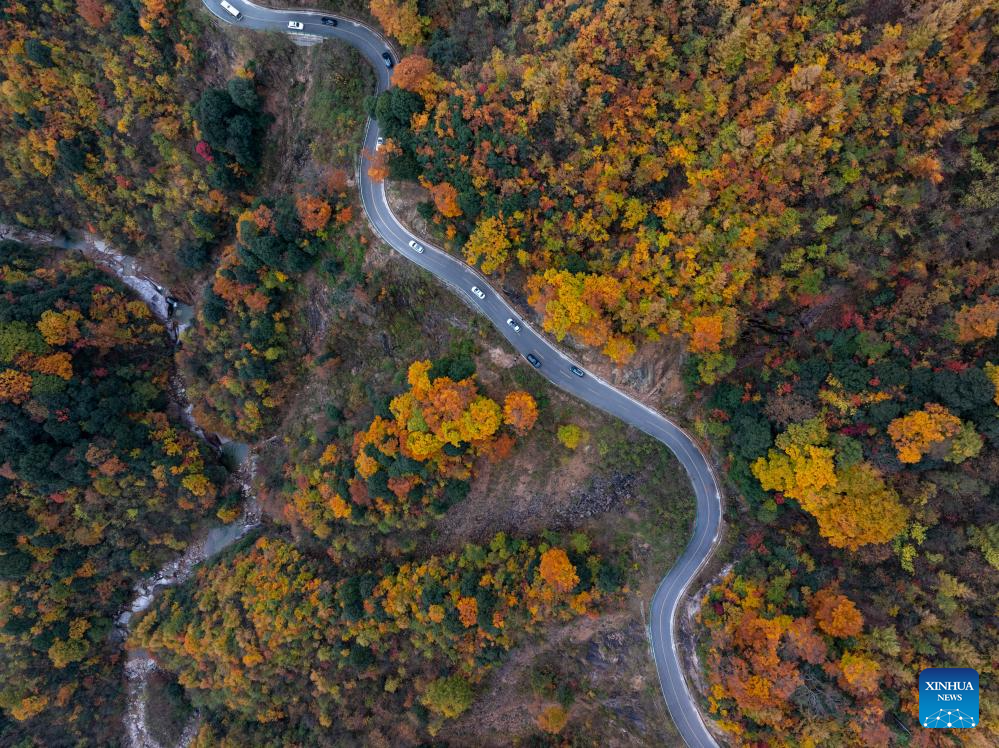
555	365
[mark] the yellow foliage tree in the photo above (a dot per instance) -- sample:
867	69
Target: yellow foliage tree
489	242
859	674
571	435
862	509
15	386
59	328
801	465
992	372
853	505
619	349
58	364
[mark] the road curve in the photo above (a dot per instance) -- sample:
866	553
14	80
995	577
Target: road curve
555	365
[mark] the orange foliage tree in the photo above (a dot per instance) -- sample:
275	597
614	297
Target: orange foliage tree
520	411
314	212
401	20
377	165
706	333
445	197
411	72
95	12
918	432
557	570
980	321
836	614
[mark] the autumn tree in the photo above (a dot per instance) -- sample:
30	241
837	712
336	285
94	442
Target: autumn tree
571	435
977	322
557	570
706	334
553	719
94	12
411	72
377	165
836	614
314	212
446	199
401	20
59	328
992	372
448	697
852	503
918	432
520	411
489	244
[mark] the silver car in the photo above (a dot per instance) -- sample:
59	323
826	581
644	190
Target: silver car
416	246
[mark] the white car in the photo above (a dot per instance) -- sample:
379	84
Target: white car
296	25
379	143
416	246
478	292
513	325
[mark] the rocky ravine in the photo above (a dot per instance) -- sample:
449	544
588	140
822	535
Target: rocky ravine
139	665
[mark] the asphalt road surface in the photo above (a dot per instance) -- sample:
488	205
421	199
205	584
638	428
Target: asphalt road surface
554	364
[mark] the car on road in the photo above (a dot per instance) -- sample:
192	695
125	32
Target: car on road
296	25
534	360
577	371
231	10
327	21
389	62
416	246
513	325
379	143
478	292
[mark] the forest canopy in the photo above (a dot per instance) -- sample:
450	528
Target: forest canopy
99	485
645	170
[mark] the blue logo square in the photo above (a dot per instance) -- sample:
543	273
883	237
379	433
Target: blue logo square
948	697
